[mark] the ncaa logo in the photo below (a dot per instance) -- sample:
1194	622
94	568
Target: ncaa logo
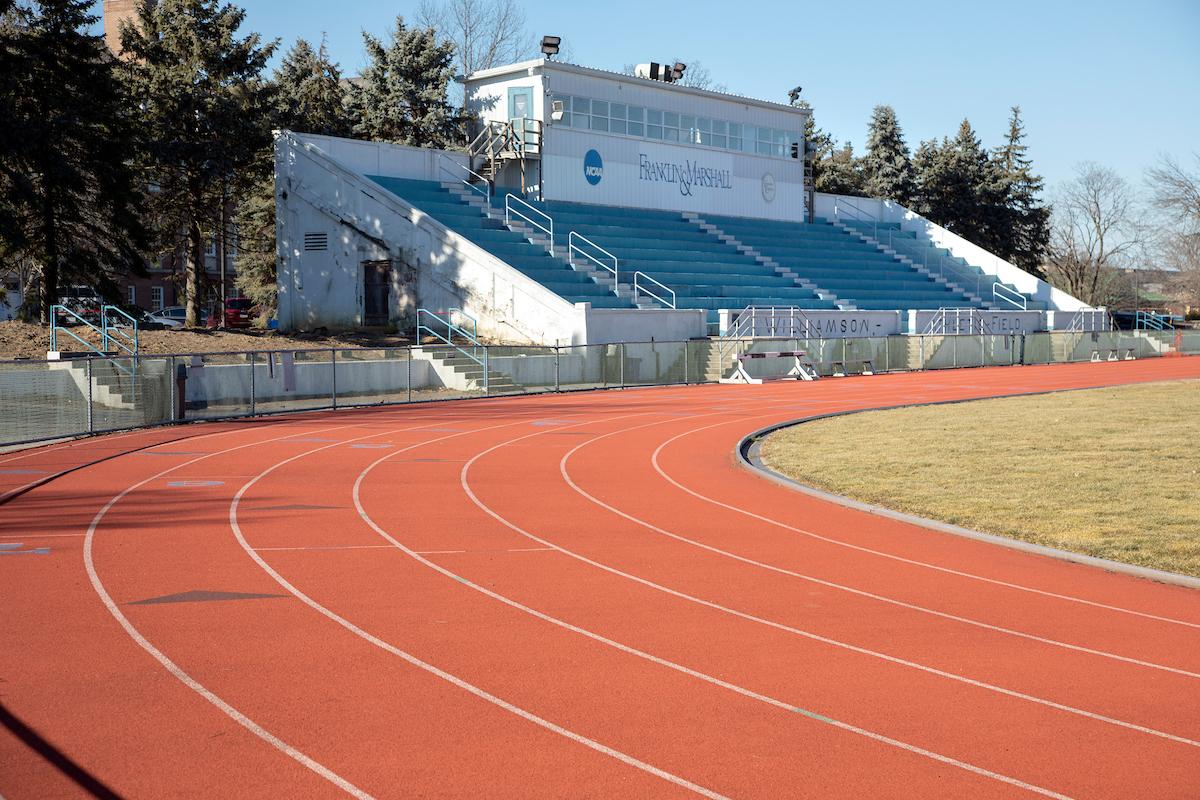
593	167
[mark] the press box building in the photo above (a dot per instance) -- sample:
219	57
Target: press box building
594	206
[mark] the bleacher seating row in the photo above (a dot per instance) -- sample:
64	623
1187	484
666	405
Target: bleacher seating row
704	271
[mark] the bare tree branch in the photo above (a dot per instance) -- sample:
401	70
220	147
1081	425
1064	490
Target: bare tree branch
1093	233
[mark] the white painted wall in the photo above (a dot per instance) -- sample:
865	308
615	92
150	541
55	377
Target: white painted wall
739	184
608	325
1003	271
316	192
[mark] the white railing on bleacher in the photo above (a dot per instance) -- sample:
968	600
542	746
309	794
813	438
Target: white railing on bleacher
512	208
573	248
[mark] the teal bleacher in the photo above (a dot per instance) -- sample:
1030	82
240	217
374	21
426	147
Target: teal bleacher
937	260
509	246
704	271
854	270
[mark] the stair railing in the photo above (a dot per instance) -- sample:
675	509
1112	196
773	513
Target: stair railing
1091	319
1001	293
1152	321
485	190
441	327
843	207
573	248
637	287
513	206
62	312
119	331
950	322
767	322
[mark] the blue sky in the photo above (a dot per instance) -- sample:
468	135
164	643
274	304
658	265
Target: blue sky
1116	83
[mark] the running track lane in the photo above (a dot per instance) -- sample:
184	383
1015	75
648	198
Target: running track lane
564	596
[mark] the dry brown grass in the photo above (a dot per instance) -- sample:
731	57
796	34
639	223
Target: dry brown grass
1113	473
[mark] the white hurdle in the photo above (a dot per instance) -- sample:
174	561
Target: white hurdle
800	371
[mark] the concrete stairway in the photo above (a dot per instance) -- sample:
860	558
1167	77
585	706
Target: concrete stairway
459	371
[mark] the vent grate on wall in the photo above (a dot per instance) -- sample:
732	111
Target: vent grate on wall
316	241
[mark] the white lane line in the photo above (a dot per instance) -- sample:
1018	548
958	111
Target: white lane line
170	665
947	570
413	660
562	468
749	693
465	483
440	552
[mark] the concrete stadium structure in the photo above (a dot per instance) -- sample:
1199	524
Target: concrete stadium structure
592	207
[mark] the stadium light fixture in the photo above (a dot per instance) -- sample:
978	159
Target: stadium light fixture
677	71
550	45
557	108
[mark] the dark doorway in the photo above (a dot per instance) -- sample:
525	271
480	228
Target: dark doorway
377	291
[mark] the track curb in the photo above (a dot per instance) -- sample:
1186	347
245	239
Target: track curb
747	455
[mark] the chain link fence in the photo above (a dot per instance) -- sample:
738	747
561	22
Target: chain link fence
54	399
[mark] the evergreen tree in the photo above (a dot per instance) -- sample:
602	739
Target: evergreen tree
835	170
311	97
71	200
205	119
256	275
1026	221
840	172
887	168
956	186
401	96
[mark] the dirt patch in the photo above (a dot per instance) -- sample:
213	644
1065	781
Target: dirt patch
25	340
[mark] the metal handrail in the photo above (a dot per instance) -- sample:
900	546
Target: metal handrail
782	322
486	192
1152	320
636	288
573	248
474	322
55	311
510	212
1002	292
114	333
451	330
975	318
1084	320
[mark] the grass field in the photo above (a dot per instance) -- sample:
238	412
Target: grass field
1113	473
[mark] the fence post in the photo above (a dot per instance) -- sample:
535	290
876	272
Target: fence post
253	399
333	372
408	375
557	385
922	340
621	363
171	390
686	347
90	422
486	377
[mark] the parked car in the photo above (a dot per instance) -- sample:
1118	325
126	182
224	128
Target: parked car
174	316
239	313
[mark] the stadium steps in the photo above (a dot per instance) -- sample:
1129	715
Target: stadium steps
906	245
704	271
467	214
470	371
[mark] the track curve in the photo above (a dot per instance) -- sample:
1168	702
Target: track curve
562	595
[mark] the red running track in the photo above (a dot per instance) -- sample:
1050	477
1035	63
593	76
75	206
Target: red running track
562	596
